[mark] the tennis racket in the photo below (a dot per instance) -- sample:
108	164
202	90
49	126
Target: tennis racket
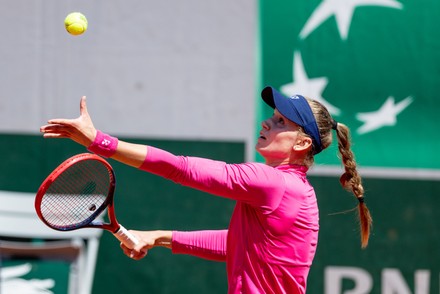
76	193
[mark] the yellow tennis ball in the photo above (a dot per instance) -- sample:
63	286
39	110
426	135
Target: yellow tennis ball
75	23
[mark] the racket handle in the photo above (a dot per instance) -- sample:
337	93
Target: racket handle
127	238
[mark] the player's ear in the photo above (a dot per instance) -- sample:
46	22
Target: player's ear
302	143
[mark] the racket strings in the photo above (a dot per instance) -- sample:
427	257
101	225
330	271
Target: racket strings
77	195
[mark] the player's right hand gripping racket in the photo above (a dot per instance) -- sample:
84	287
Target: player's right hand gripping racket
76	193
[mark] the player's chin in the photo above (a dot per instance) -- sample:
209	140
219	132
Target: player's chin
259	147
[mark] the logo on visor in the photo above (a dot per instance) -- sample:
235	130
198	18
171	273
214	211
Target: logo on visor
294	97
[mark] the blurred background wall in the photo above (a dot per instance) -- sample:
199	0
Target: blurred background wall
186	76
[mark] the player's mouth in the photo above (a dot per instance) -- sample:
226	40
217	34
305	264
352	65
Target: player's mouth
262	137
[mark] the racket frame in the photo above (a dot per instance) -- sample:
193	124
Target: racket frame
113	226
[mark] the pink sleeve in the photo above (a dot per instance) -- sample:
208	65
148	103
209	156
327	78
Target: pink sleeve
209	245
254	183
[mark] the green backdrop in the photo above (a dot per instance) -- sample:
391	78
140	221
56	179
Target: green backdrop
377	63
405	233
391	53
142	201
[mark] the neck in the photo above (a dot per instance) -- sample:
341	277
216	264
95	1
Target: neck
277	162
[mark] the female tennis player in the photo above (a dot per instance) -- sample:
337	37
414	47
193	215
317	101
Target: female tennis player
271	240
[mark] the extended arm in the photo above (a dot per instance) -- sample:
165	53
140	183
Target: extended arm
258	185
209	244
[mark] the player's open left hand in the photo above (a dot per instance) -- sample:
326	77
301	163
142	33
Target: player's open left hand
80	130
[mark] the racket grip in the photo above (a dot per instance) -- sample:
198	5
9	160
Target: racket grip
127	238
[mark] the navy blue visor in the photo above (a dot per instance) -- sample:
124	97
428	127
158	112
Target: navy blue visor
297	109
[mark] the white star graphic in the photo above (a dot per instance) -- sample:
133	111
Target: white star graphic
385	116
343	11
312	88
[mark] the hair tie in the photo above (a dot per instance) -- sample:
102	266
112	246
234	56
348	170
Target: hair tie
334	125
361	199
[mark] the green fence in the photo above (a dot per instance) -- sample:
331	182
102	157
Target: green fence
402	256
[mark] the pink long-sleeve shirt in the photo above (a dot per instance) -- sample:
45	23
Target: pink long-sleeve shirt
273	233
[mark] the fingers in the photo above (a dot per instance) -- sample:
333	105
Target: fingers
59	135
60	121
139	251
136	253
55	131
83	106
52	126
